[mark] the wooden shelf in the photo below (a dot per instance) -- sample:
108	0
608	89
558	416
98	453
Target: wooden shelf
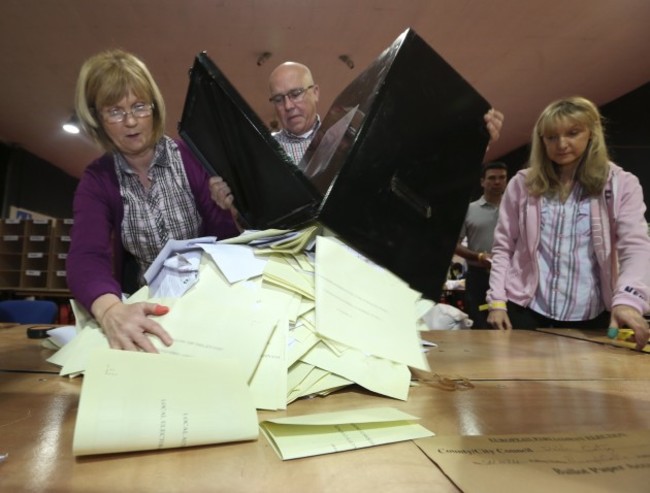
33	253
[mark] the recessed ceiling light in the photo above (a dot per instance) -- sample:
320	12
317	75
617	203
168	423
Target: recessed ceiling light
72	125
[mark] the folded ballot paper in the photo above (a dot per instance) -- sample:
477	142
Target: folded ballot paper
326	433
140	401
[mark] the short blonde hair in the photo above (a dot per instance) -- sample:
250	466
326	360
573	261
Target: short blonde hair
104	80
592	174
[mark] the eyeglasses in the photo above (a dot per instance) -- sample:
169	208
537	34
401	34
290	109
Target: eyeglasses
138	110
294	95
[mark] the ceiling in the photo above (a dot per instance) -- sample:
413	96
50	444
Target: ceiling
519	54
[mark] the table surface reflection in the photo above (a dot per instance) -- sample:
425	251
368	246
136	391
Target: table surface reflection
517	382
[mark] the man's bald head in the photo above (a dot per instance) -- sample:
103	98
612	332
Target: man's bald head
296	110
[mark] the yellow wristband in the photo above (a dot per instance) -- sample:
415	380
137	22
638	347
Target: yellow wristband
480	256
497	305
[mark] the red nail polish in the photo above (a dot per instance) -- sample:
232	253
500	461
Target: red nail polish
160	310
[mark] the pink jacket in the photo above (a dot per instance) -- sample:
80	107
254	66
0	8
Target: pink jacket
620	239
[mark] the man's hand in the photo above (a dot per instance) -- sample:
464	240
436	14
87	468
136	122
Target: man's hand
220	193
485	260
493	123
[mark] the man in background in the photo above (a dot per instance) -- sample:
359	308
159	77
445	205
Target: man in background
478	229
294	96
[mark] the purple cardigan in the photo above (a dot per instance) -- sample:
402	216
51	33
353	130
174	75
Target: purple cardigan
94	263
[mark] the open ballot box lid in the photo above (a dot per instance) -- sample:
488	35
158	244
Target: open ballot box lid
390	170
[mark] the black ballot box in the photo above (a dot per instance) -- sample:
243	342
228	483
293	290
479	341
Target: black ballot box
231	141
390	170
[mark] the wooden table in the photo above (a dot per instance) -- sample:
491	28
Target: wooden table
598	336
38	411
19	353
528	355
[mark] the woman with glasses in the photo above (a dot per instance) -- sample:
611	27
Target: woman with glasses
145	190
571	247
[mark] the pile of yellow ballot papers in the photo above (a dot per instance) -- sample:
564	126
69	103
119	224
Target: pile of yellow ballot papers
297	323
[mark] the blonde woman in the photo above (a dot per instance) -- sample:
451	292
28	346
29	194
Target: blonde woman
145	190
571	247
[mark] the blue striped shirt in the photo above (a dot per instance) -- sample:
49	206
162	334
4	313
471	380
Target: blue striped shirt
568	289
296	145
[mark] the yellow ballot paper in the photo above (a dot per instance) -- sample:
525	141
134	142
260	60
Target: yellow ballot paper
212	320
142	401
317	434
573	462
364	306
379	375
269	382
279	272
252	235
73	357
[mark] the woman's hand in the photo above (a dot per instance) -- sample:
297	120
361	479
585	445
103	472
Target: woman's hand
498	319
126	325
626	316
